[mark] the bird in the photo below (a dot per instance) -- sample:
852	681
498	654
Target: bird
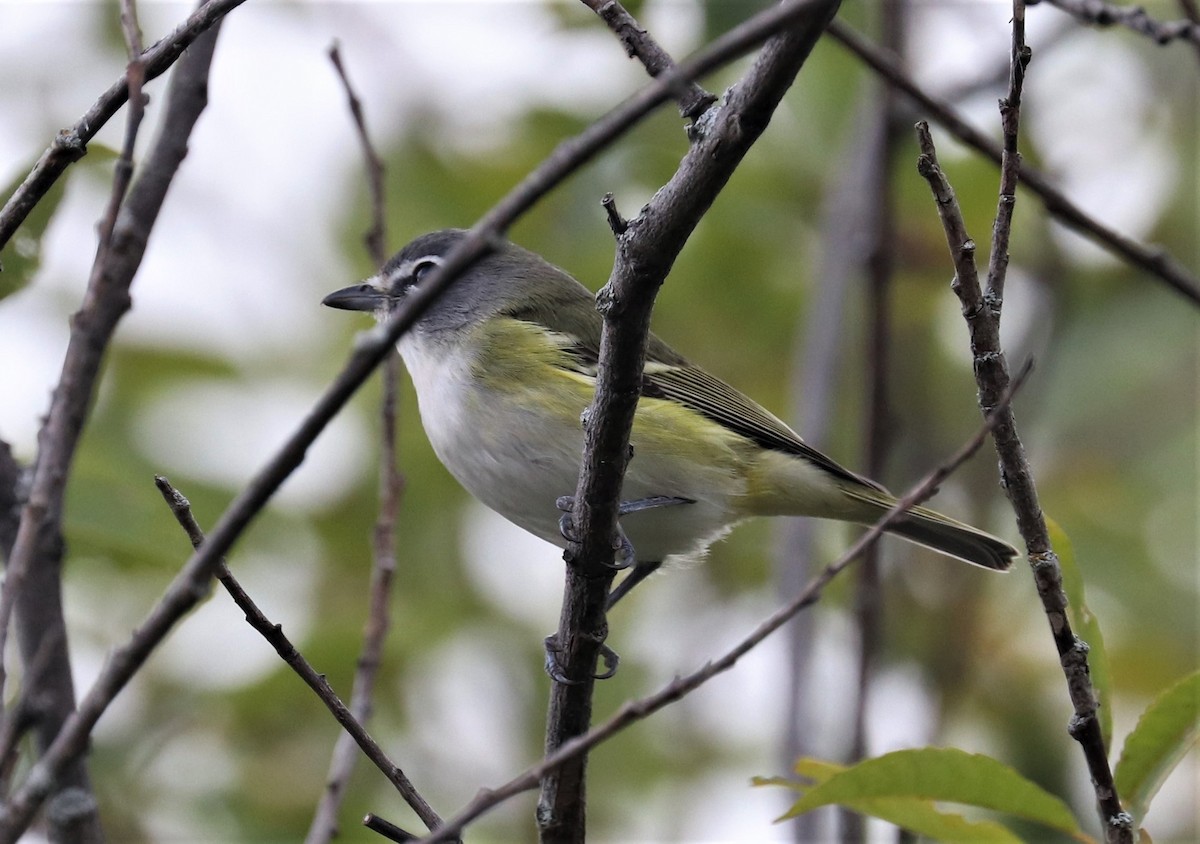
504	363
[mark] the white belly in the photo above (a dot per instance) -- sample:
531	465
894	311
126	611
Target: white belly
517	461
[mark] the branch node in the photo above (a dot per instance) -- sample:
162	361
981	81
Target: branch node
1043	561
608	303
70	142
1077	725
1121	820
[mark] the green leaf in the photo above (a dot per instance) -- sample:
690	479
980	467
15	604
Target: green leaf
911	813
897	783
1168	728
23	253
1086	626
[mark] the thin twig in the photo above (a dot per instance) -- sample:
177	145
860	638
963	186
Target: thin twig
391	487
1010	167
106	300
376	237
70	144
1151	259
645	253
1135	18
135	76
991	374
273	633
32	590
693	100
637	710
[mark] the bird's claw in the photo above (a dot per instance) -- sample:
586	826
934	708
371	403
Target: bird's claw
554	667
626	556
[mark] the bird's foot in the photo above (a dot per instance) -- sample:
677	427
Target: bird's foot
625	555
554	666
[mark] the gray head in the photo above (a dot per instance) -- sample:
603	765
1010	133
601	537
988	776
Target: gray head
505	280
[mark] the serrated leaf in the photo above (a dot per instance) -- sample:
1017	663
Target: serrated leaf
1086	626
941	774
1168	728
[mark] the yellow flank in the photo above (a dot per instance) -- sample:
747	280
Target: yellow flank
671	442
525	354
781	484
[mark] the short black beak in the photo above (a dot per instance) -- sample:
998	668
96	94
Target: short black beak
360	297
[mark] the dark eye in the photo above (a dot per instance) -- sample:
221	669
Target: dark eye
422	269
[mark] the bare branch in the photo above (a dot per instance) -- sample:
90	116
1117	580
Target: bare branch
369	353
376	237
1016	478
36	549
693	100
1010	165
70	144
273	633
645	253
1135	18
637	710
1153	260
881	247
33	585
324	825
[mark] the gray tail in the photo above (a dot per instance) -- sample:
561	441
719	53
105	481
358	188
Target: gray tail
963	542
944	534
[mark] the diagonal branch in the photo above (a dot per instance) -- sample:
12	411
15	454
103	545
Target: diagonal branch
1134	18
70	144
181	508
693	100
637	710
1017	480
1150	259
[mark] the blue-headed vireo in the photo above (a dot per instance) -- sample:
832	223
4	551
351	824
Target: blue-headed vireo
504	363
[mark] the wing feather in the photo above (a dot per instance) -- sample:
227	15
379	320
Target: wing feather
670	377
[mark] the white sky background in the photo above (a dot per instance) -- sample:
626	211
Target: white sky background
247	281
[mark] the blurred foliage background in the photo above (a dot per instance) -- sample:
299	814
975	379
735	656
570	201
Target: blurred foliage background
227	346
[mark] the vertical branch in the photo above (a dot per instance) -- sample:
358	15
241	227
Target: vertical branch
324	825
981	311
881	254
32	590
1010	167
105	302
645	253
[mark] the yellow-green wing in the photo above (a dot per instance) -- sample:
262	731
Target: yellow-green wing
712	397
670	377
